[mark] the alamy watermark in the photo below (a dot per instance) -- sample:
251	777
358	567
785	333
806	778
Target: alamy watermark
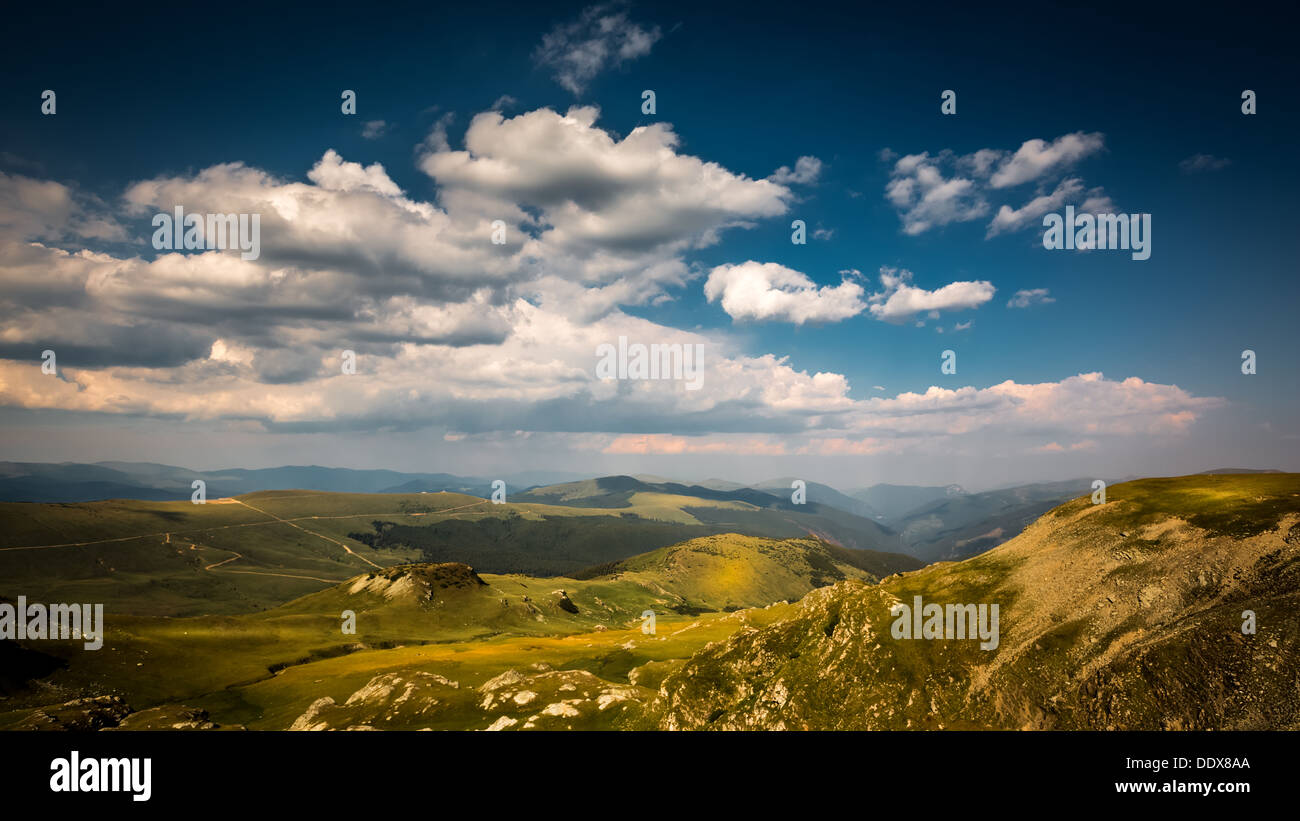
1104	232
953	621
35	622
655	361
208	232
77	774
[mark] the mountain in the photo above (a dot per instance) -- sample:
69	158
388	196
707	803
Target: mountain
956	527
893	501
716	484
1171	606
74	482
743	510
443	483
821	494
1127	615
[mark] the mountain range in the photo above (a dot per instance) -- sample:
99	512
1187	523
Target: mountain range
1169	606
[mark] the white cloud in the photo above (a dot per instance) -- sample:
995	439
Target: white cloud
601	38
1036	158
926	199
934	191
606	208
473	339
1027	297
806	171
1009	219
48	210
900	299
374	129
754	290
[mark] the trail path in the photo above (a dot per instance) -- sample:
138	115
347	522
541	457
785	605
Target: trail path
349	550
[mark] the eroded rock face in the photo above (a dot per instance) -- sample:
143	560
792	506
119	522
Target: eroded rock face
417	582
1097	632
558	700
387	700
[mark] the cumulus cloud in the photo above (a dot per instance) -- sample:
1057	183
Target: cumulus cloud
806	171
597	208
934	191
1031	296
457	334
1013	219
48	210
754	290
1036	158
899	299
351	261
927	199
601	38
374	129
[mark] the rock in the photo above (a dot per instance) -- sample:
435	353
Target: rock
502	723
564	602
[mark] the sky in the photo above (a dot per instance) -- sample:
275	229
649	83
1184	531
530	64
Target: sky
528	124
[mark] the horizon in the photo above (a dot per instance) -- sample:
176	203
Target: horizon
559	477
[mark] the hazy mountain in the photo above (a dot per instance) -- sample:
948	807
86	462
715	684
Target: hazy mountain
893	501
821	494
720	484
965	525
73	482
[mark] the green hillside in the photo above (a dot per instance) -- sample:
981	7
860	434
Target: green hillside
449	611
1123	615
249	553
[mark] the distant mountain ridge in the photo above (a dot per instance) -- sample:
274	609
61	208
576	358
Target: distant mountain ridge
894	501
147	481
743	510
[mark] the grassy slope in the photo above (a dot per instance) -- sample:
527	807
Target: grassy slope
256	668
1122	615
730	572
261	549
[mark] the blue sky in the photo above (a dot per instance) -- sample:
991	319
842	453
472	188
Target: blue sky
147	105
